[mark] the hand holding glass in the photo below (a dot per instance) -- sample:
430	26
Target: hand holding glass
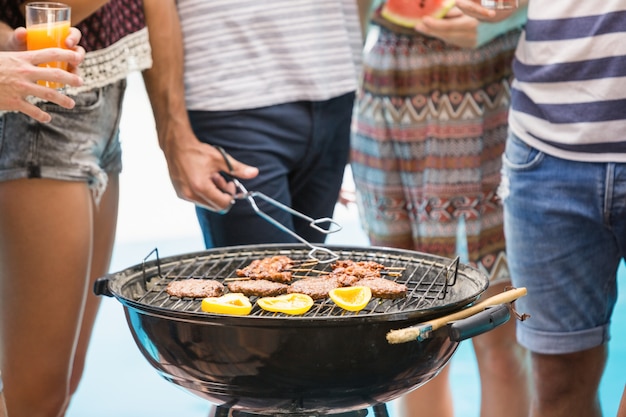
47	26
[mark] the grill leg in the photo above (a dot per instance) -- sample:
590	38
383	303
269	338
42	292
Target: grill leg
380	410
220	411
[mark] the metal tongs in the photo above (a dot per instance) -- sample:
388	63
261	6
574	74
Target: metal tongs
243	194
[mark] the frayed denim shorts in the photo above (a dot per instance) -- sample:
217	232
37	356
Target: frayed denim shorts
81	144
565	226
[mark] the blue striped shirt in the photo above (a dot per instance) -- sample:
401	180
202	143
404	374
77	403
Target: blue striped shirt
242	54
569	93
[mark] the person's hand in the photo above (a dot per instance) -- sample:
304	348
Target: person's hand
346	196
194	169
19	74
71	42
474	9
455	28
18	43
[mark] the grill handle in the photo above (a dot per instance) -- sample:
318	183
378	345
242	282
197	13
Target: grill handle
479	323
424	330
101	286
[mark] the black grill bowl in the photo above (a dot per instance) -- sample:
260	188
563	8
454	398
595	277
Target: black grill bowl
288	365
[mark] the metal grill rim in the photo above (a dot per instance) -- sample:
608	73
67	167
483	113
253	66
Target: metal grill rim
429	280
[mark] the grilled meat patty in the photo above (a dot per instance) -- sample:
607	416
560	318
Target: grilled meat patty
273	268
345	280
384	288
360	269
258	287
316	288
195	288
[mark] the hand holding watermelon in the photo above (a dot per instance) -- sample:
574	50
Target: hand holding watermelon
456	28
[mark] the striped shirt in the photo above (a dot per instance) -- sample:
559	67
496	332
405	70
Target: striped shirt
569	95
242	54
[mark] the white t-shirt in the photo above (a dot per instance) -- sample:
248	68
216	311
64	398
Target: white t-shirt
242	54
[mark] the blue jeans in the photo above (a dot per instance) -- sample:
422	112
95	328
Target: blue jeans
565	226
301	150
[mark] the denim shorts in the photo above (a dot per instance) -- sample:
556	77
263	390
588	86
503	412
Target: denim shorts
81	144
565	226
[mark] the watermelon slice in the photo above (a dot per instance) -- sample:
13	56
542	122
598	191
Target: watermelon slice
409	12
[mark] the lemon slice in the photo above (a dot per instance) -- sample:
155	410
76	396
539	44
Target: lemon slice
231	303
351	298
293	304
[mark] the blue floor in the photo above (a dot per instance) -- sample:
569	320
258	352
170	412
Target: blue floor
119	382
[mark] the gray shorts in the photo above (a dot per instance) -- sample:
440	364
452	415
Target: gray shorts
81	144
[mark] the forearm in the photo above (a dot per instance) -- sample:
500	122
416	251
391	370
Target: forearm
364	7
164	81
81	9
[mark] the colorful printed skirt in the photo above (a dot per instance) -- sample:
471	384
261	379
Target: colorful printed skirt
429	131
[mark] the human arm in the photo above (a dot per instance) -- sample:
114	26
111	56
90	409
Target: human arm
82	9
194	167
364	7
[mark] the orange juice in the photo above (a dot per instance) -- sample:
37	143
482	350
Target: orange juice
48	35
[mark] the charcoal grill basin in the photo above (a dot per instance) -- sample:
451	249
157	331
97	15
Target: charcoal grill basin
328	360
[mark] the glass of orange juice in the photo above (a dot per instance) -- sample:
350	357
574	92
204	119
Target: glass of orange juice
47	26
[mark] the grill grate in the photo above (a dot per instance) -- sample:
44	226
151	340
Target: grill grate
430	280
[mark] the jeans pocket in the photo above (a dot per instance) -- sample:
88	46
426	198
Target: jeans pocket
520	156
85	102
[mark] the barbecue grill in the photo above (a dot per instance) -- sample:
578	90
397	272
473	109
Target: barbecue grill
325	362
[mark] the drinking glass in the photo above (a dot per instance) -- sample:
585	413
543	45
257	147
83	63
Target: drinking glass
47	26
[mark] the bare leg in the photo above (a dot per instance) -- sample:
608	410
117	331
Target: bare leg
567	385
621	412
433	399
105	221
45	254
504	370
3	407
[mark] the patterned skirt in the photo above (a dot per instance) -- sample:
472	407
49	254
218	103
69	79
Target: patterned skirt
429	131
